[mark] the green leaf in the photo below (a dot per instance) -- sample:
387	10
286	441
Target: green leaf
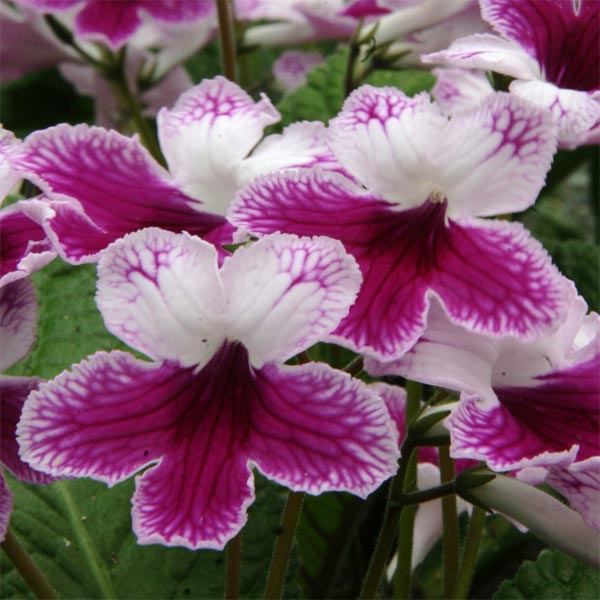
410	81
553	575
70	327
322	96
79	533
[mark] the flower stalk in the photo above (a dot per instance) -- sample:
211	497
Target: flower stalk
226	19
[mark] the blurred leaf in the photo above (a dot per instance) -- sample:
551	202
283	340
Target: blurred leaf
410	81
39	100
552	575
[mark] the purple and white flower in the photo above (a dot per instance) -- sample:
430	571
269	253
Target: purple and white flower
17	331
101	185
217	400
291	68
552	51
523	404
416	230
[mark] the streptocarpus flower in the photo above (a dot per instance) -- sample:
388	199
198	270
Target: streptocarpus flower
550	48
113	22
416	231
217	399
101	185
291	68
523	404
17	331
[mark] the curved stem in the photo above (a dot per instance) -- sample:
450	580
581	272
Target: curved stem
353	54
450	524
227	37
29	571
467	566
234	555
283	546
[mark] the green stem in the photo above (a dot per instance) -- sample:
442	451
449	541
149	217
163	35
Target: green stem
353	54
118	80
227	37
395	507
234	556
467	566
441	491
29	571
450	524
283	546
402	581
355	366
86	545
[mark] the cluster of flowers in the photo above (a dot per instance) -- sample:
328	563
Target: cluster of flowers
370	232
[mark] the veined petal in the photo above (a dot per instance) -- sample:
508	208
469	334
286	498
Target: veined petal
285	293
561	35
112	180
302	144
446	355
506	148
161	293
8	178
109	416
206	135
316	429
459	89
580	484
6	506
13	393
114	21
24	247
574	112
18	313
489	52
384	138
535	435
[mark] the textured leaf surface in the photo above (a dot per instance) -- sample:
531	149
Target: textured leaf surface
552	575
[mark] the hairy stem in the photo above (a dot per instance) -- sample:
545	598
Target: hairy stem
450	524
467	566
227	38
29	571
283	546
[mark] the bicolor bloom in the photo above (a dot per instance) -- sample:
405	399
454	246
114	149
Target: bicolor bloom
217	399
522	404
24	247
101	185
17	331
291	68
114	22
416	230
552	51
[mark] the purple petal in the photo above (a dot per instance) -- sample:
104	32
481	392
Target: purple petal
580	484
291	68
207	134
316	429
562	35
286	293
491	276
153	273
6	507
111	415
13	393
24	247
18	313
115	21
8	144
112	181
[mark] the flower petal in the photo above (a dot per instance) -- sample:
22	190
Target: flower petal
580	484
13	393
286	293
489	52
18	314
24	247
109	416
562	35
109	178
160	292
574	112
8	144
491	276
206	135
316	429
456	89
